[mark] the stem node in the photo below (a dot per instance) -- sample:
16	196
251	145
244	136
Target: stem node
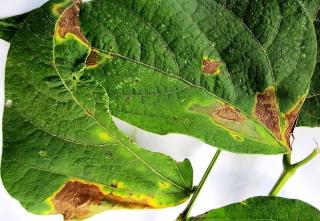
290	169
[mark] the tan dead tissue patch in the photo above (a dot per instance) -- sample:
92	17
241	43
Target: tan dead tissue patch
93	58
75	197
211	66
229	118
291	118
267	112
69	22
77	200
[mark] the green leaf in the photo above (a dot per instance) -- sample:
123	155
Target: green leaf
169	88
310	112
62	152
9	26
263	208
168	78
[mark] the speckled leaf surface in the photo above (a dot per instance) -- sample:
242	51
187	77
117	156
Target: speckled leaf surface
285	32
62	152
263	72
271	22
263	209
9	26
310	112
178	82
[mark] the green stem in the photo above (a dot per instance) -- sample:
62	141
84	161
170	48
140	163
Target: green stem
185	214
290	169
314	153
283	179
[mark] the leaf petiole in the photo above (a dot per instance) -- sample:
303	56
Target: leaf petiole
290	169
185	214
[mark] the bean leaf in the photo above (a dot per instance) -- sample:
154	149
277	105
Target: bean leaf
263	208
62	152
243	95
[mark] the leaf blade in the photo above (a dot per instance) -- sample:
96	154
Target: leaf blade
104	37
263	208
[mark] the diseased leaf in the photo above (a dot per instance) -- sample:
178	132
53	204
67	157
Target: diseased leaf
252	39
285	32
177	82
263	208
175	100
62	152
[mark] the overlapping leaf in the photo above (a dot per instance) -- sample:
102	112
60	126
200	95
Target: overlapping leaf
231	73
251	39
263	208
62	153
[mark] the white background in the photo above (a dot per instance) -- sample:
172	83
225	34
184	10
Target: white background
234	178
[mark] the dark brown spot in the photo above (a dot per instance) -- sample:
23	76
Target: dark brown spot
266	111
93	58
74	198
210	66
114	185
291	119
229	113
69	22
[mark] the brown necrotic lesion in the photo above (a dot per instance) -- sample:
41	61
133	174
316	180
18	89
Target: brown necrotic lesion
229	119
211	66
78	200
291	119
228	113
75	198
93	58
267	112
69	22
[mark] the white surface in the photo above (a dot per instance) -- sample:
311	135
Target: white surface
235	177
